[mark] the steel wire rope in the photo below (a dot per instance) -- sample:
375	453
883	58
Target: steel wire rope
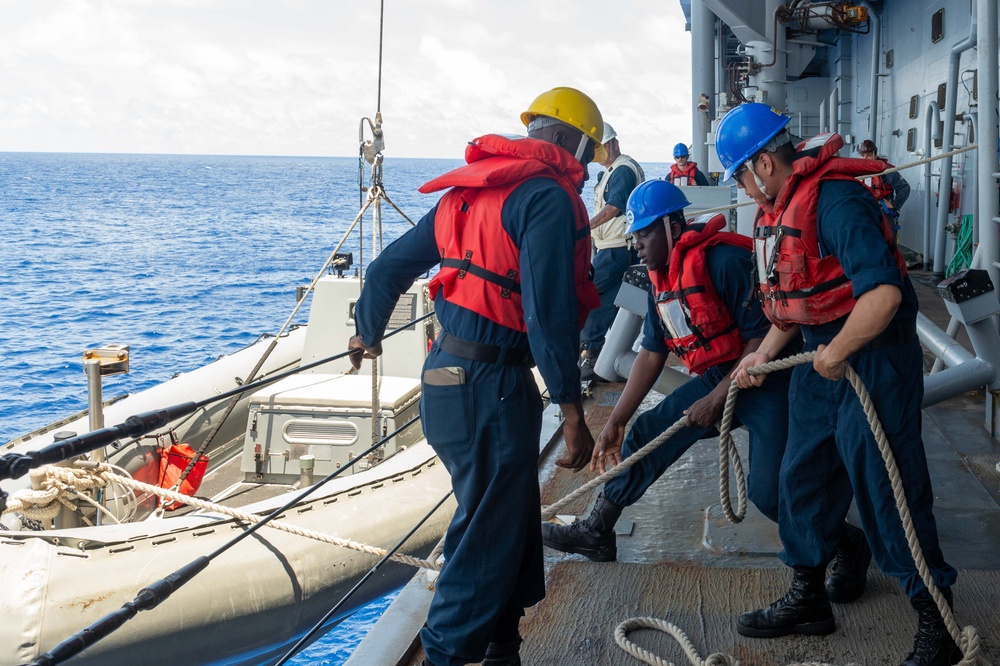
158	591
378	186
266	354
967	639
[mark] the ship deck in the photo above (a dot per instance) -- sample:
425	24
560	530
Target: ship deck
680	560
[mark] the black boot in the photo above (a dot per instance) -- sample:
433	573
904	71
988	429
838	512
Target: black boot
588	359
932	644
849	573
593	537
503	654
805	609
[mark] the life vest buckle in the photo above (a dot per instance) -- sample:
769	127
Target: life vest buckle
508	283
464	268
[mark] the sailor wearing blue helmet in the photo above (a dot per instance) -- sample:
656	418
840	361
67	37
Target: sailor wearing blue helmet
684	172
828	265
700	307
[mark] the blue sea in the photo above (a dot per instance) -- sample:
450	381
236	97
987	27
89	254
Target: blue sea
181	257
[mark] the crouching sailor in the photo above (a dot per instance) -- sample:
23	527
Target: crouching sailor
827	264
701	307
512	237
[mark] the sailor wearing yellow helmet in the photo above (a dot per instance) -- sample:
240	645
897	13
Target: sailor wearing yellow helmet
511	236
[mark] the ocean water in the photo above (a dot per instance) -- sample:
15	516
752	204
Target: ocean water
183	258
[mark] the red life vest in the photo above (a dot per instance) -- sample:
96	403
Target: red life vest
878	185
685	176
798	286
700	328
479	261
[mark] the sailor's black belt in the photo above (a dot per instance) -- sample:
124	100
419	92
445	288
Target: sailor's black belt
477	351
893	335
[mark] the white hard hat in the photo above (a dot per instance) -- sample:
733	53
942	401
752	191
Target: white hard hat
609	133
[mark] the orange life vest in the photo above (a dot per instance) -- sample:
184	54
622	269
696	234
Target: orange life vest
797	285
700	328
684	177
878	185
173	462
479	261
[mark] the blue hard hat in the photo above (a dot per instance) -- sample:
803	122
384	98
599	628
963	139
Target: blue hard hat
680	150
650	201
744	131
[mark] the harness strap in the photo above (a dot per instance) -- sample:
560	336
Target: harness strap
508	283
674	295
764	232
805	293
702	342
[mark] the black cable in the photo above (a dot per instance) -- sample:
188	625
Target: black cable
357	586
159	591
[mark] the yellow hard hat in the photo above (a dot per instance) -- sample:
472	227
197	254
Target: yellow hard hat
570	106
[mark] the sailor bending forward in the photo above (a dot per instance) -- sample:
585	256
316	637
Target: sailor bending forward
512	237
701	307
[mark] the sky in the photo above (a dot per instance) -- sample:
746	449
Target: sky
294	77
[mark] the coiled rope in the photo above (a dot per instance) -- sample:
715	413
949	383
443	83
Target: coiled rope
967	638
57	485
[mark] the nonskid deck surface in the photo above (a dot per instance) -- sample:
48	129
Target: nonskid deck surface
680	560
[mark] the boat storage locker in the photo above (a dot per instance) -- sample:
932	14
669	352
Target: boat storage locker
327	417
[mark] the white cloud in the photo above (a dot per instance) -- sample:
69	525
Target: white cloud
262	77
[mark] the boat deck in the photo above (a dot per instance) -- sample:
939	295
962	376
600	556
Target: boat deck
680	560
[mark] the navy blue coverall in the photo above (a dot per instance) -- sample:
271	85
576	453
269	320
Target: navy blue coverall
763	410
831	449
610	264
486	431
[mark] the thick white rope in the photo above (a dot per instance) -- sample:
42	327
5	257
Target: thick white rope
967	638
550	511
942	156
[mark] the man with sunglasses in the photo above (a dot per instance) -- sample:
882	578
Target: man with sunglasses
827	264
